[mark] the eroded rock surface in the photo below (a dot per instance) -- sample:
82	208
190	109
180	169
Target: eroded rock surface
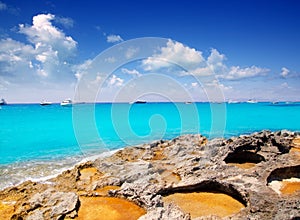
243	168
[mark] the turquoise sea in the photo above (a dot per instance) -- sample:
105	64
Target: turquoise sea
40	141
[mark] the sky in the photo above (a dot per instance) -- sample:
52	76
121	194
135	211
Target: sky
236	50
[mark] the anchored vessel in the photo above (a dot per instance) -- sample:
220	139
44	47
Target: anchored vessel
66	102
45	103
2	102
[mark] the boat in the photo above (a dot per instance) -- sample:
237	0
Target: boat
45	103
187	103
251	101
138	102
233	101
66	102
3	102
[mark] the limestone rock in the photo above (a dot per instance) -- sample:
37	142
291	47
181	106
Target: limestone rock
169	212
50	204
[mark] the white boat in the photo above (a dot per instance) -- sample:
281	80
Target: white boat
138	102
233	101
2	102
45	103
66	102
251	101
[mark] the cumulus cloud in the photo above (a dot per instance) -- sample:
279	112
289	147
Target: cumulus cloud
47	54
13	51
15	59
174	52
284	72
82	69
113	38
195	64
215	61
115	81
236	72
133	72
43	34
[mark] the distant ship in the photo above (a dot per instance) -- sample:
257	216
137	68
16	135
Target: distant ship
233	102
45	103
138	102
3	102
66	102
251	101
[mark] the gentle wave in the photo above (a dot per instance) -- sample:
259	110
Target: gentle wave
41	171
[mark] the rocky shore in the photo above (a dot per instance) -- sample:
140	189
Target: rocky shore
253	176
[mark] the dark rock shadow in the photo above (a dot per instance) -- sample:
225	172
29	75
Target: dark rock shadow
284	173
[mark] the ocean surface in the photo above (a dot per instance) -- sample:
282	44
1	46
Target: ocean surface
37	142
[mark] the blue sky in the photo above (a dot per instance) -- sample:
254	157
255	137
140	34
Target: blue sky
251	46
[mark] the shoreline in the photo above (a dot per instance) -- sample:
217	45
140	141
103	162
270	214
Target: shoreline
39	174
152	176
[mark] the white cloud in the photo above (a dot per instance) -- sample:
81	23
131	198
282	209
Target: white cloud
66	22
194	84
3	6
236	72
115	81
201	71
215	61
52	47
82	69
13	51
195	64
43	34
174	52
217	84
42	72
133	72
47	54
113	38
15	58
131	52
284	72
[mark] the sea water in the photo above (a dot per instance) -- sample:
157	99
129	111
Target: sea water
37	142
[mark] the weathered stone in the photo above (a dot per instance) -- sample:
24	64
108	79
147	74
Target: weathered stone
50	204
169	212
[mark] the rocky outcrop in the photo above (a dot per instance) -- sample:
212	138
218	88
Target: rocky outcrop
243	168
49	204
